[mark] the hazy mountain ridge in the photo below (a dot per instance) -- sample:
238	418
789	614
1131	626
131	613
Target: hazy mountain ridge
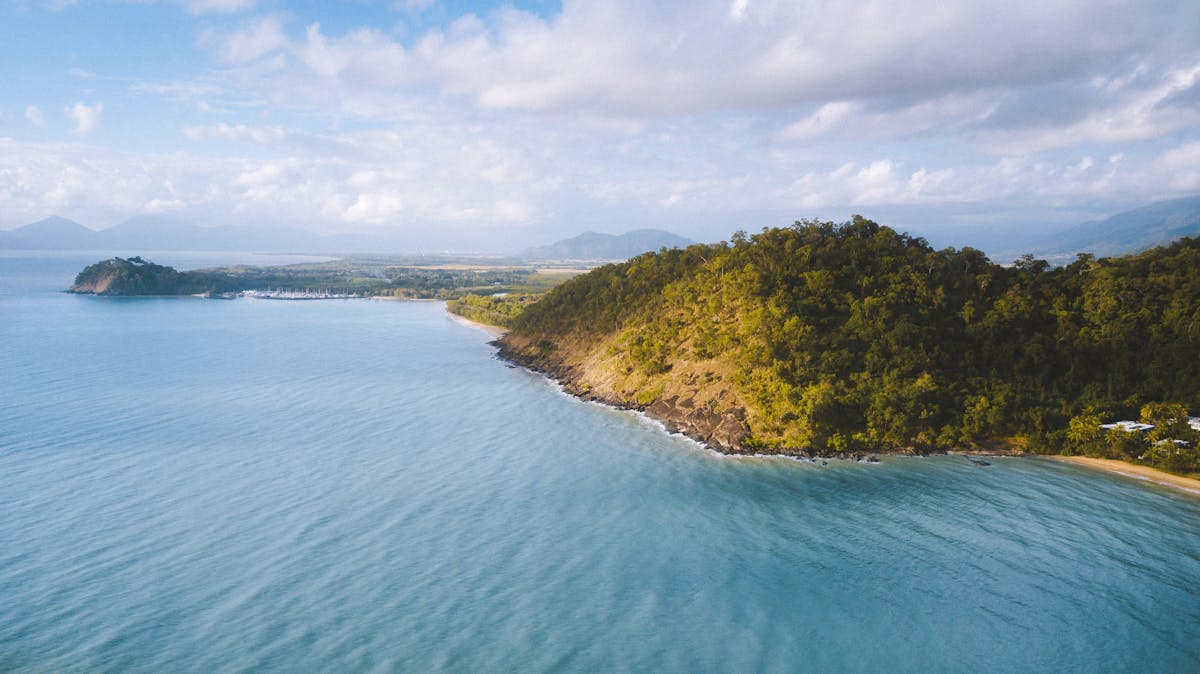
597	246
52	233
160	233
1132	231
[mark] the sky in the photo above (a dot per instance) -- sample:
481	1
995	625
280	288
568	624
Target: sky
496	125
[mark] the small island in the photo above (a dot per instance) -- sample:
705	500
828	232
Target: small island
843	340
136	276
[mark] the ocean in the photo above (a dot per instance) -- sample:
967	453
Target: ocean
193	485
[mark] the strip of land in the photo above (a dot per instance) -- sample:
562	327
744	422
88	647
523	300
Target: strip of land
495	331
1145	473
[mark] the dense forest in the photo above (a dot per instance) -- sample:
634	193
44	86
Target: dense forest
835	339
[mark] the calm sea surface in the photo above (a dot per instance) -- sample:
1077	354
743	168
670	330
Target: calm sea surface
193	485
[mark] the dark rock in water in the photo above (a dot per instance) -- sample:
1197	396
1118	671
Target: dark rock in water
978	461
873	459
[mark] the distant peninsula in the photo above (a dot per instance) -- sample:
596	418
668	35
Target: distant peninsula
360	276
826	339
136	276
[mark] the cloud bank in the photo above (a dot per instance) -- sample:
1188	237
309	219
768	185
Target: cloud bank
614	114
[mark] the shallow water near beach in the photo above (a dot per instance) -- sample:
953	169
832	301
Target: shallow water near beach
355	485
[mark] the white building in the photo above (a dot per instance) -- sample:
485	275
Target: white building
1129	426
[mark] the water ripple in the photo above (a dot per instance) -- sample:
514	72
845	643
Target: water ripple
358	486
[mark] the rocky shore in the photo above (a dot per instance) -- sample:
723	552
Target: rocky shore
722	429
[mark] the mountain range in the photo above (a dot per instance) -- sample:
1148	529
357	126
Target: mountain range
145	233
157	233
1133	231
1127	232
596	246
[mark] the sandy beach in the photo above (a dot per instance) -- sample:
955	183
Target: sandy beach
1136	472
495	331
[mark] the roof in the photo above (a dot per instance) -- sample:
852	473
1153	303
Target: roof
1128	426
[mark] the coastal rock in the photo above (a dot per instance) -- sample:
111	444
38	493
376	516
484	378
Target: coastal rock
716	423
726	429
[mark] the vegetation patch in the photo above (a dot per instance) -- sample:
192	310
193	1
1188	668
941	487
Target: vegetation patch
837	338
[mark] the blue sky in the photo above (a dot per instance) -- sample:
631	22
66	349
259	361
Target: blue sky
498	125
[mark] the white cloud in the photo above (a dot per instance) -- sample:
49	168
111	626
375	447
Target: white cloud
1131	113
643	58
85	117
217	6
250	41
618	111
158	205
1181	167
1007	183
414	5
34	115
853	70
624	58
179	90
737	9
374	207
272	135
1085	164
819	122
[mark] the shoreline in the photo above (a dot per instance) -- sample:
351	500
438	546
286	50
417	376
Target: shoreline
495	331
1179	483
682	427
1133	471
393	298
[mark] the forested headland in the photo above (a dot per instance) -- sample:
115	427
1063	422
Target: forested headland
841	339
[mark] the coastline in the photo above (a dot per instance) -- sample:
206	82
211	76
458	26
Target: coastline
392	298
562	377
495	331
1134	471
710	430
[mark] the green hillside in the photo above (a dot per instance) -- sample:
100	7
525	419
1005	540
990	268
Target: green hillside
135	276
836	339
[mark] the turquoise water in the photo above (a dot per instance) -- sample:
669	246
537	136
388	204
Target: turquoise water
228	486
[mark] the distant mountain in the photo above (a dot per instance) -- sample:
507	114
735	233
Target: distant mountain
53	233
149	232
1129	232
596	246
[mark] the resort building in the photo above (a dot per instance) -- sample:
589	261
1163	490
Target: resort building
1128	426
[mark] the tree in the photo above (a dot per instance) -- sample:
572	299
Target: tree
1084	434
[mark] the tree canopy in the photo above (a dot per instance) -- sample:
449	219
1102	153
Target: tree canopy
833	337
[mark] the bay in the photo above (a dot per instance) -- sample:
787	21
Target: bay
356	485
